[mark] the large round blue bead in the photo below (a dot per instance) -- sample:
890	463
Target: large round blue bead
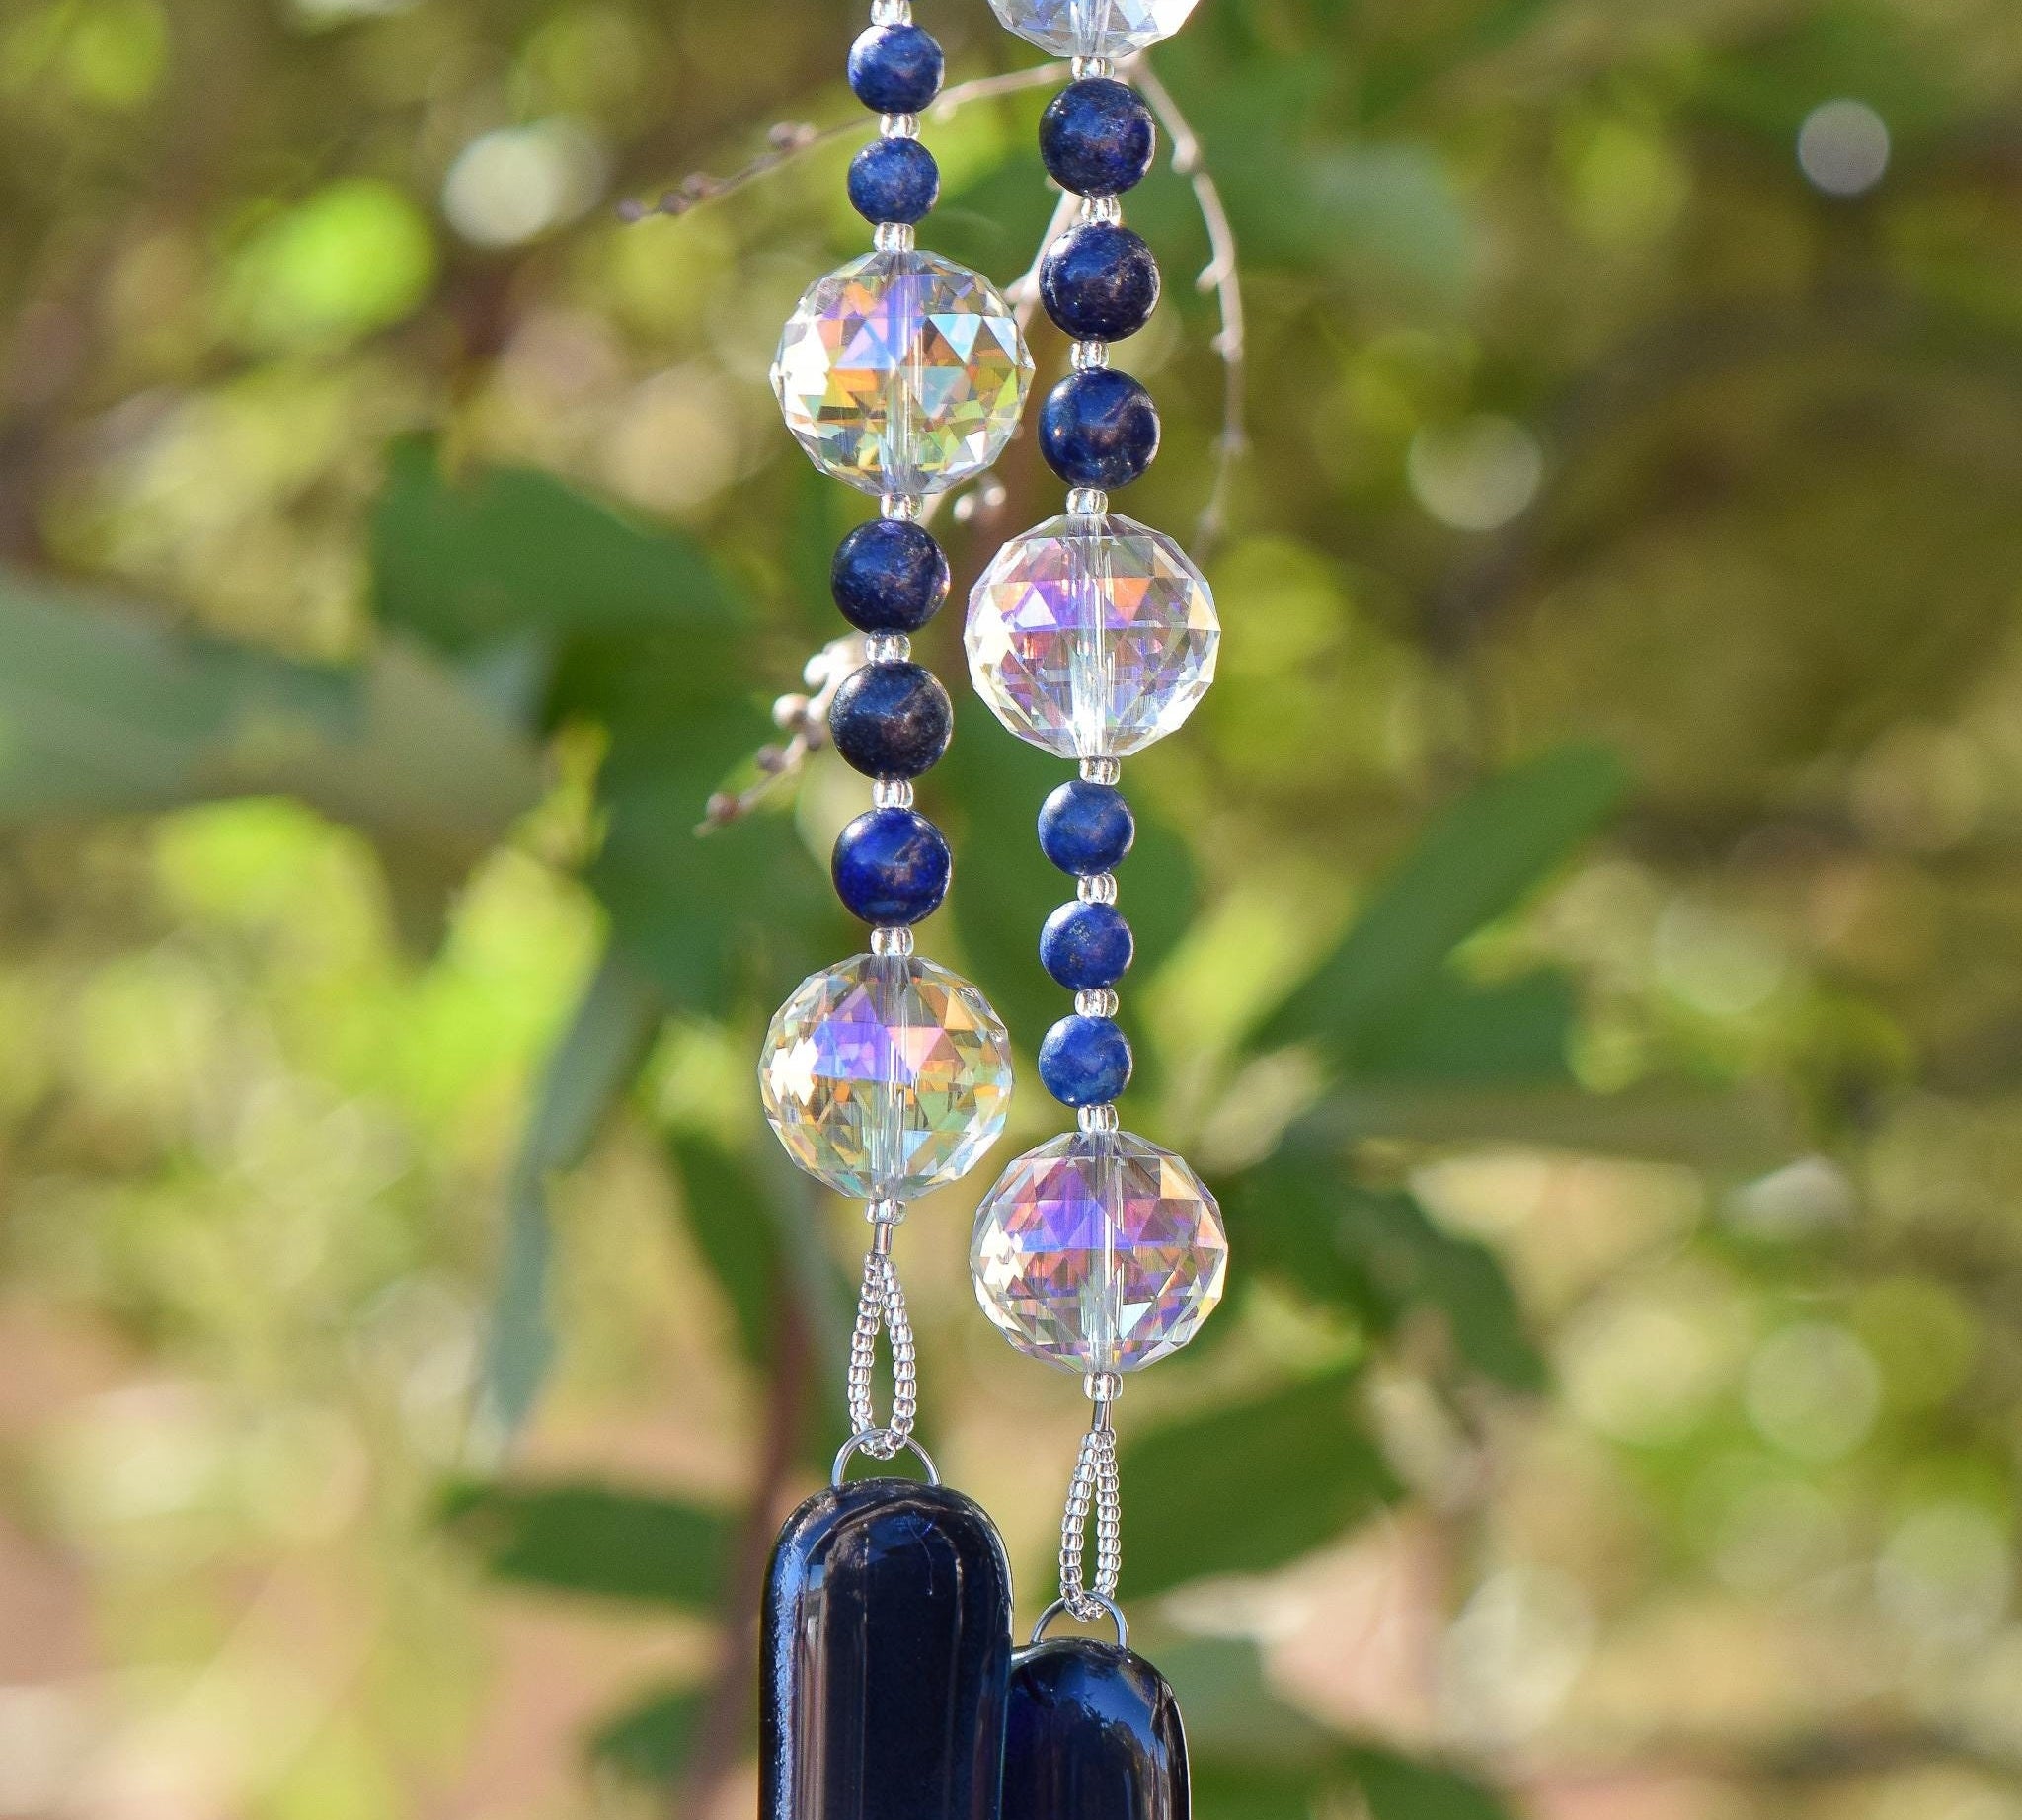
1085	1061
890	867
1086	828
1099	281
895	69
890	720
1098	428
1086	946
893	180
888	576
1097	138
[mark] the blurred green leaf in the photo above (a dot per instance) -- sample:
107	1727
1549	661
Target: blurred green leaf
727	1219
592	1066
1403	1789
1477	861
649	1741
592	1539
1292	1471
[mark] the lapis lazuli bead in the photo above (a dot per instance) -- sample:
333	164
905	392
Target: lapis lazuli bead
1085	1061
1097	138
1094	1732
890	720
890	867
1086	828
895	69
886	1648
1086	946
893	180
888	576
1099	281
1098	428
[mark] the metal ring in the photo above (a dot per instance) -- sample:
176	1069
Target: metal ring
1115	1611
863	1439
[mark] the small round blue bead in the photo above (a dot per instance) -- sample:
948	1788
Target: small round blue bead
895	69
1084	1061
1098	428
888	576
1097	138
890	867
890	720
1099	281
1086	946
893	180
1086	828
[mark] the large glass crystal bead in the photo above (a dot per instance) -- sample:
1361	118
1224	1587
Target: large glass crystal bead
1092	636
901	372
1099	1252
886	1077
1092	28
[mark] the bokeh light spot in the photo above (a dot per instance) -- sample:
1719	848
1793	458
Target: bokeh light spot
507	187
1475	475
1843	147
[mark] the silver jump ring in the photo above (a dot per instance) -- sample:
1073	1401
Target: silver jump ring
1115	1611
893	1444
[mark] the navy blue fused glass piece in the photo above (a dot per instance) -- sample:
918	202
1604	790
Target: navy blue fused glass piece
1085	1061
890	720
888	576
1094	1734
887	1651
1086	827
1097	138
895	69
1099	281
1086	946
890	867
893	180
1098	428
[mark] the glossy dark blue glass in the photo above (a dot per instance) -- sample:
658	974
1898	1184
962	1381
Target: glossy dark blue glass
1094	1734
887	1650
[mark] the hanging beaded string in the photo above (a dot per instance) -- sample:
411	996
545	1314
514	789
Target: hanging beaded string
1093	636
901	374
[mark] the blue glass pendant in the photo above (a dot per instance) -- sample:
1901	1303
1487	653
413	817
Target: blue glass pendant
1094	1734
886	1653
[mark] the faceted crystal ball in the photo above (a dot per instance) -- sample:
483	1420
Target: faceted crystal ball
1092	28
901	372
1092	636
886	1077
1099	1252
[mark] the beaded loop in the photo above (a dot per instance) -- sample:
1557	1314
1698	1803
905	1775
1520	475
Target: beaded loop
881	1308
860	1444
1095	1485
1114	1611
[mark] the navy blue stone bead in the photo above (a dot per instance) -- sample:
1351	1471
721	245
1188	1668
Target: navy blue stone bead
1086	828
1094	1732
890	867
890	720
885	1657
895	69
1085	1061
888	576
1099	281
1098	428
893	180
1097	138
1086	946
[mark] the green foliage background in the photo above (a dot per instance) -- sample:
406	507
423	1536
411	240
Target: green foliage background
1580	935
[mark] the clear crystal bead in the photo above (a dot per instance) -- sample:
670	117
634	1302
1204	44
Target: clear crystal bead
1091	637
901	372
1092	28
886	1077
1099	1252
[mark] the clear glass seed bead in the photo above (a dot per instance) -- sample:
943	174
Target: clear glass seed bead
1099	1252
1092	28
901	372
886	1077
1091	637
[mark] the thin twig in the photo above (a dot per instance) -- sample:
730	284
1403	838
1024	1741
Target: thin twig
1223	277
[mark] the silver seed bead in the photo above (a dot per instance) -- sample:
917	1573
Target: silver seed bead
1097	1002
892	12
894	237
892	793
891	941
1103	1386
1100	209
1087	503
899	125
905	507
1098	1118
1101	771
1089	354
1093	66
884	1213
1097	888
886	648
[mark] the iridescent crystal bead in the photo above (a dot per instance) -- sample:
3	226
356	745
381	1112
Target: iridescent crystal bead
901	372
1092	636
1092	28
886	1077
1099	1252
